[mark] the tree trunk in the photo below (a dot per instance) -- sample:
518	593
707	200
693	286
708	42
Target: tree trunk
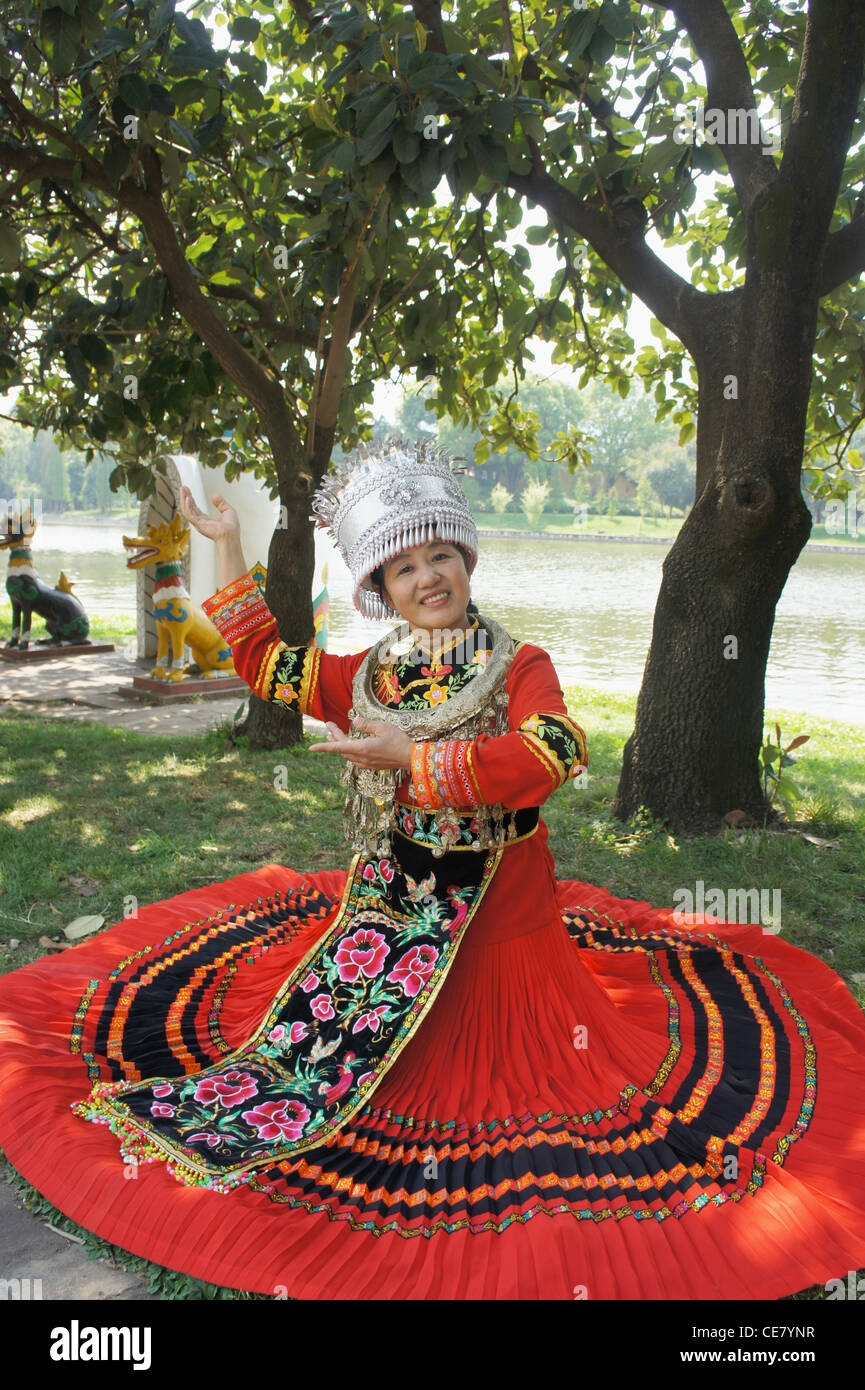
693	755
290	573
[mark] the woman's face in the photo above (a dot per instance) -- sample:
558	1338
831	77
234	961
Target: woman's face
429	586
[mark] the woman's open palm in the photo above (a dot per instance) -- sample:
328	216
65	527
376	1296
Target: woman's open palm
223	529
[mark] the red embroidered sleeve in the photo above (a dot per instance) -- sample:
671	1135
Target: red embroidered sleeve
521	768
305	677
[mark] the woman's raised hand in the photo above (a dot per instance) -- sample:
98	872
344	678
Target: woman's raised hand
226	529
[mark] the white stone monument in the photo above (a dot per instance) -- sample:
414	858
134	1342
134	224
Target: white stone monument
258	517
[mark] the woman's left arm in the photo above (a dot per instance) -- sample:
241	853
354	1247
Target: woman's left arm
521	768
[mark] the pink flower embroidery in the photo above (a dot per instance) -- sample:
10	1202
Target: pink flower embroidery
414	969
370	1019
408	824
162	1089
227	1090
364	951
211	1139
278	1119
278	1033
385	870
158	1108
322	1006
369	873
298	1032
310	982
365	1077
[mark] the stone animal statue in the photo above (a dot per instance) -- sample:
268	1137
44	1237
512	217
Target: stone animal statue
65	618
179	621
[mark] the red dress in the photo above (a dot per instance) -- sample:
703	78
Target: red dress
487	1085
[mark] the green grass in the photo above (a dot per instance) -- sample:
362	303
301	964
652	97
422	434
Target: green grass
113	627
649	527
563	524
154	816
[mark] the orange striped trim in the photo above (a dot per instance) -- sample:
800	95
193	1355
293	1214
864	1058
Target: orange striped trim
309	678
264	675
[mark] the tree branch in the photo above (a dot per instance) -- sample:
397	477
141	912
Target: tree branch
728	87
268	319
623	247
844	256
824	109
260	385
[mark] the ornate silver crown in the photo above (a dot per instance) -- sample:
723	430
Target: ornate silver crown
387	498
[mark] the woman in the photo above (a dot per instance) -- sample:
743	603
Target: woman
442	1074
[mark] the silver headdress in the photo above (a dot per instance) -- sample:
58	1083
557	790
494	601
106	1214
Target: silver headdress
387	498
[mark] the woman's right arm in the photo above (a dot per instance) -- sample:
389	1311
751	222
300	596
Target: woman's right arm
303	677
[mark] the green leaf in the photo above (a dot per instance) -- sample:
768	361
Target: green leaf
185	136
160	99
10	246
133	89
200	246
406	147
186	91
423	176
383	121
580	36
616	20
500	115
115	160
244	28
76	367
787	789
96	351
537	236
61	34
187	58
210	130
225	277
687	432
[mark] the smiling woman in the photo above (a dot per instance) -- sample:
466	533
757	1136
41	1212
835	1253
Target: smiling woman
529	1087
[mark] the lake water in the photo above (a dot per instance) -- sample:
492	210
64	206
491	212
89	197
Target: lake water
590	604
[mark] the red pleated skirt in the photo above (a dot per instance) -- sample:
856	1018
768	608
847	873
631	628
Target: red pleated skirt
518	1074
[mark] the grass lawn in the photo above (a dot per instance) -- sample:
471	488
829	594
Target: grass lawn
154	816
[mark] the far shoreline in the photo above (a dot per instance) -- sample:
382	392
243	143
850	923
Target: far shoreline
511	532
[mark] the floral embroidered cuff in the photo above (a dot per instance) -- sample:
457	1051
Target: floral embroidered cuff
238	609
558	744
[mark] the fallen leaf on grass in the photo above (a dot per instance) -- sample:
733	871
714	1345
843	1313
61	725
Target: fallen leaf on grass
858	979
82	883
82	926
48	945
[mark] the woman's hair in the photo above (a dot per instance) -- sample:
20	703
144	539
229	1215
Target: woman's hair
377	575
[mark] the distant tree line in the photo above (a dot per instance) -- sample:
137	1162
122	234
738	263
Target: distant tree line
32	466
